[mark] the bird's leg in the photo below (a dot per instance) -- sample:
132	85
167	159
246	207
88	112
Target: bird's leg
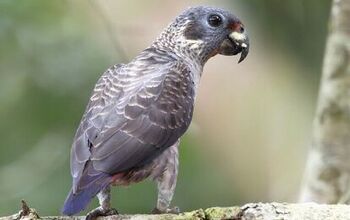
166	187
104	198
166	183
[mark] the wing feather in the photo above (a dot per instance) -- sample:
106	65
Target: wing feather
135	112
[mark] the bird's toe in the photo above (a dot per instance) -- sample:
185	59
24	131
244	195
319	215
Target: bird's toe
100	212
112	211
173	210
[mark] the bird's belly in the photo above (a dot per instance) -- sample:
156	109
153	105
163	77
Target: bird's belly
151	170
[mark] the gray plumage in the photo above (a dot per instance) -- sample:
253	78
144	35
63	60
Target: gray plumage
138	111
134	114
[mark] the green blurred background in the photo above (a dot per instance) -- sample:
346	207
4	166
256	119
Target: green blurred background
252	123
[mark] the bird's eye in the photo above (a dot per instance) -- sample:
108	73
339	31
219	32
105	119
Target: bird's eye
214	20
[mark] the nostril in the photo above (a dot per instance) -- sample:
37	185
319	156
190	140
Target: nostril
241	29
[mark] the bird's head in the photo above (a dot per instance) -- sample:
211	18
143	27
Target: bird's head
205	32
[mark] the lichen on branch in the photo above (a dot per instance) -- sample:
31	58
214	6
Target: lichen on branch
251	211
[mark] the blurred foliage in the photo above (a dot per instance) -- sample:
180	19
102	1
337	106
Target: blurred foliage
299	27
52	53
49	61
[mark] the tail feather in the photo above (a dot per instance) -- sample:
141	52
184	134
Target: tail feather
78	201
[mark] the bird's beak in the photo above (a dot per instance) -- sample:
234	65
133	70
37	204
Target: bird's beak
235	43
241	42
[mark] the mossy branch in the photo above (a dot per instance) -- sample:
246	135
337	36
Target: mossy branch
252	211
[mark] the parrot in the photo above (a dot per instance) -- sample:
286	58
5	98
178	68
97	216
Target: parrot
138	111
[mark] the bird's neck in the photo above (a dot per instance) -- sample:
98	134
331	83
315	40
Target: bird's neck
173	40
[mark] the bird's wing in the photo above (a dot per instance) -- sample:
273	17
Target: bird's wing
135	113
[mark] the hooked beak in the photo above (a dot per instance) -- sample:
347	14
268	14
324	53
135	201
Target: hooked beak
235	43
241	41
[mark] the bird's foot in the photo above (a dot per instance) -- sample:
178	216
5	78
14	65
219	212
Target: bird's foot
100	212
173	210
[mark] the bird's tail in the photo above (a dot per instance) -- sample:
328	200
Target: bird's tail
76	202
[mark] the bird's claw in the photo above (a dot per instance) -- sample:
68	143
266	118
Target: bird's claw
173	210
100	212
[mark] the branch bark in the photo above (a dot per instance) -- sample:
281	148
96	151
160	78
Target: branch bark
327	175
252	211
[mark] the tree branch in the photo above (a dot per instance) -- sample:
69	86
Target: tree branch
252	211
